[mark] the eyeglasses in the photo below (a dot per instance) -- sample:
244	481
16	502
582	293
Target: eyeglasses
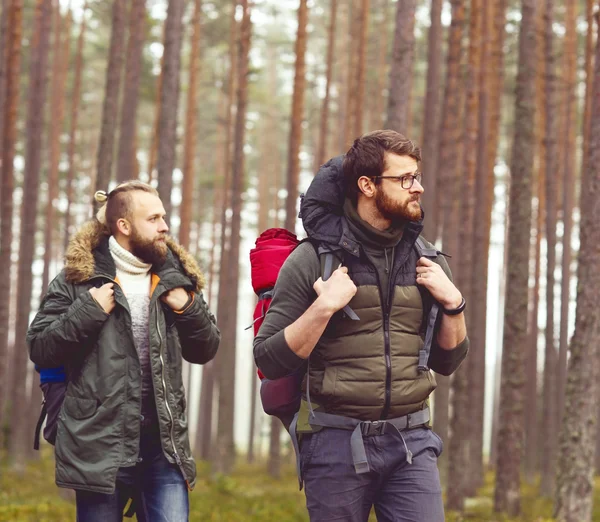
406	180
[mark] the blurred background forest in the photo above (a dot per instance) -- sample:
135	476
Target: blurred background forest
229	107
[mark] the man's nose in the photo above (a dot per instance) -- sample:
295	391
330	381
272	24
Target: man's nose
417	187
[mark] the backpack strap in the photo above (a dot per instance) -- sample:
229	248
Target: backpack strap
431	253
328	260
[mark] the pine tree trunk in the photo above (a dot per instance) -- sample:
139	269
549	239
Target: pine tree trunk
225	455
531	417
377	116
153	153
169	102
401	72
187	188
360	84
511	433
484	190
344	76
111	97
20	437
9	120
550	426
60	59
133	68
431	121
450	150
3	62
75	102
225	202
578	435
589	75
352	51
297	117
568	168
324	128
449	153
462	398
274	464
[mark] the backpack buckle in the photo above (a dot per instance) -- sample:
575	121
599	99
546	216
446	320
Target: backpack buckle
370	428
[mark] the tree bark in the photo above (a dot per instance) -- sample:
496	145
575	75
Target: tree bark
449	153
19	439
578	434
531	412
126	164
450	146
9	117
75	102
568	169
3	62
323	128
187	188
225	202
60	59
550	425
225	454
378	114
401	72
110	105
431	121
297	117
511	433
482	218
169	102
352	51
462	398
360	85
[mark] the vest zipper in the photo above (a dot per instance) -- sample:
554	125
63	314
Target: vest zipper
164	384
386	338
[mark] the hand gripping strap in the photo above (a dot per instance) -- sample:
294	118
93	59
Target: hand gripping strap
328	269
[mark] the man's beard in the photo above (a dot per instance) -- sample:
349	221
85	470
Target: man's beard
397	212
150	251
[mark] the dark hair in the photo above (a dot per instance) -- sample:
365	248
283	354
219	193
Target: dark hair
366	157
118	202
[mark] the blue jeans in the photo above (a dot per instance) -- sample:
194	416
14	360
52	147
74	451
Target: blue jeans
400	492
158	487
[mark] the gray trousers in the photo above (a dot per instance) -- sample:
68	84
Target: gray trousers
400	492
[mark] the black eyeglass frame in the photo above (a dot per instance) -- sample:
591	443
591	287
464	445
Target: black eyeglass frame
401	179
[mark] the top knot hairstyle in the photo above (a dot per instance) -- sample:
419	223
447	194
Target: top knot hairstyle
118	202
366	157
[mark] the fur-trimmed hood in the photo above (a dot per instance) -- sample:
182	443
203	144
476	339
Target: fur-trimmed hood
83	255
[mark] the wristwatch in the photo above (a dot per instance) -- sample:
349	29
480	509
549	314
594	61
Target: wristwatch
458	310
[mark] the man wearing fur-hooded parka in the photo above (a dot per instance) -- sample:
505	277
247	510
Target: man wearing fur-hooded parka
120	317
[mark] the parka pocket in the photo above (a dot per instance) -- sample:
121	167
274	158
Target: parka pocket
79	408
329	381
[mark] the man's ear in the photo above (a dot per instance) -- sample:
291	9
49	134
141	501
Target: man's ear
366	186
124	227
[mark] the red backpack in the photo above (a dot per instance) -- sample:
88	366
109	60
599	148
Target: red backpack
279	397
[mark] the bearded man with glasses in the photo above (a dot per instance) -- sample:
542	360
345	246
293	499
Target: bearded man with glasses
369	334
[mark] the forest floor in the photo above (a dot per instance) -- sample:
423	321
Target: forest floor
248	495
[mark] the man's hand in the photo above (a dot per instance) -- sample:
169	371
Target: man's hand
432	276
104	296
176	299
337	291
